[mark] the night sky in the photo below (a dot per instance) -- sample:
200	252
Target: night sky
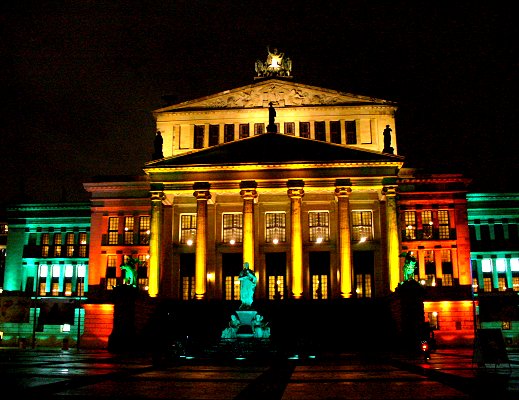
78	82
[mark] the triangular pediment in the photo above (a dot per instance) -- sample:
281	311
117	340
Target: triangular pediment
281	92
273	148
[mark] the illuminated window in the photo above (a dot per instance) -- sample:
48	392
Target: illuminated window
427	224
410	225
320	130
276	287
304	130
447	280
351	132
335	132
111	271
54	283
501	280
275	223
83	244
45	242
362	228
443	224
142	272
58	241
259	129
187	228
42	279
113	230
144	229
3	229
70	244
487	284
486	265
514	264
506	325
232	227
67	283
188	287
214	135
128	230
433	318
228	133
363	285
290	128
319	287
81	273
232	287
475	284
319	226
244	131
515	283
501	265
198	137
430	267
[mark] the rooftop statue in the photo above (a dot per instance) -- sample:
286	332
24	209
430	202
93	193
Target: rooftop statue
276	65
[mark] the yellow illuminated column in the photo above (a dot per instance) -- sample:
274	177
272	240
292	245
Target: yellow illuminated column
393	244
248	193
296	193
202	195
155	242
342	193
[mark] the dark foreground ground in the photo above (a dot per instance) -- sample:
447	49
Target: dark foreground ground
81	374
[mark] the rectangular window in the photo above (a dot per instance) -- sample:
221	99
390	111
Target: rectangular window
43	270
81	273
187	228
351	132
363	285
199	137
128	230
410	225
214	135
362	228
70	244
58	241
232	228
320	130
144	229
430	267
319	287
427	224
433	318
276	287
443	224
501	280
113	230
228	133
54	283
447	280
319	226
142	272
335	132
259	129
475	284
188	287
83	245
447	267
111	268
304	130
232	288
244	131
275	223
45	242
515	283
290	128
487	284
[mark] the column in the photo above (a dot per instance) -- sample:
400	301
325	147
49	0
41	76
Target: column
342	191
202	196
296	193
155	241
393	244
509	278
248	194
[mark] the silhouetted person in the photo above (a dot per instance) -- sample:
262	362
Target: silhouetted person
272	115
387	140
157	145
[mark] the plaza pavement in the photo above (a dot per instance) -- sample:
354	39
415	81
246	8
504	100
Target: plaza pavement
82	374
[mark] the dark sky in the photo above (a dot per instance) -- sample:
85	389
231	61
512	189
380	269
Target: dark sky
79	80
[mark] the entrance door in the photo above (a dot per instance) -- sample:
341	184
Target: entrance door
232	264
276	266
320	274
187	275
363	267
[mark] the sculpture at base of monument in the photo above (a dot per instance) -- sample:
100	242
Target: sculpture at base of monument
130	268
409	265
261	329
247	286
231	331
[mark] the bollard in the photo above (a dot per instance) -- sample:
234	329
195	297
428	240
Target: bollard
65	344
22	343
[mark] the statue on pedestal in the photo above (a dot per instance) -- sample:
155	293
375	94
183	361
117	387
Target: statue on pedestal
231	331
247	286
409	265
387	141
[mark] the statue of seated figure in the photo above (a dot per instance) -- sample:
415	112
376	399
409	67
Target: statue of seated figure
232	329
260	328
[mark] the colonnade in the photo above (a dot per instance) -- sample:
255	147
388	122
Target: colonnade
295	192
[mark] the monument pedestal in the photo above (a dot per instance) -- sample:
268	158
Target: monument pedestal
245	330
